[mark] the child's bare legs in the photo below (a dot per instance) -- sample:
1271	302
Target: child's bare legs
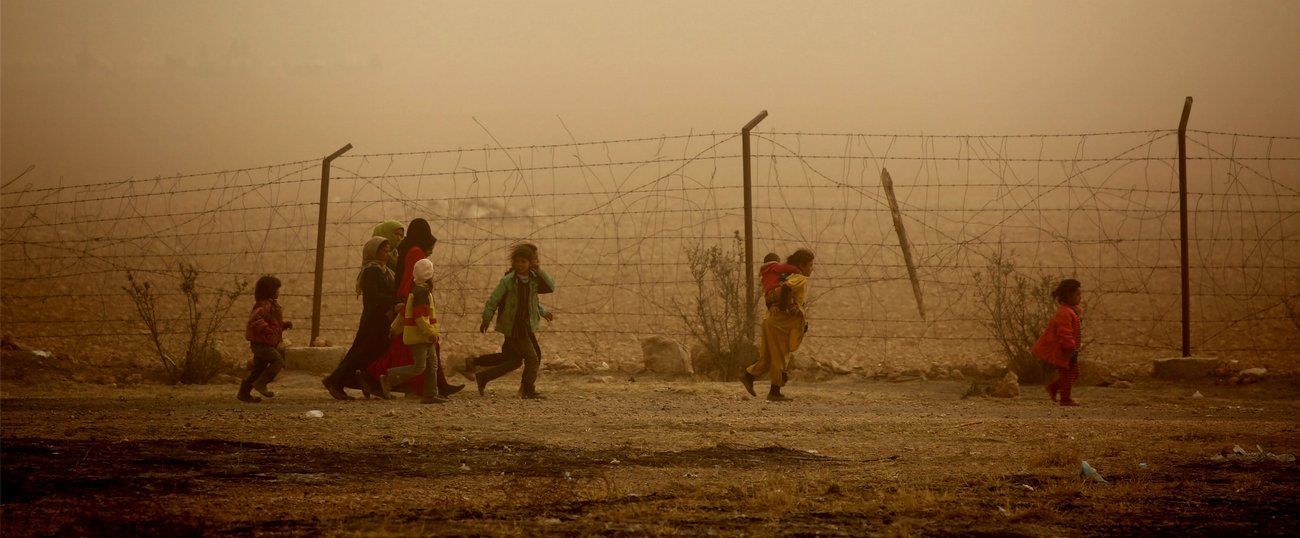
420	353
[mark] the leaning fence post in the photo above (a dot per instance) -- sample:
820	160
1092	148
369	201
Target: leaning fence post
320	240
750	305
888	184
1182	227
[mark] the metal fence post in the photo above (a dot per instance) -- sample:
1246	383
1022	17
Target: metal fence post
320	240
750	305
1182	227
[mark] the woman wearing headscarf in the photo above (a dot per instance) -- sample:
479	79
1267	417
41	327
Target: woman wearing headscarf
393	231
375	287
416	246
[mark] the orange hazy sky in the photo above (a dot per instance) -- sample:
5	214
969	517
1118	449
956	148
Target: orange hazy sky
102	91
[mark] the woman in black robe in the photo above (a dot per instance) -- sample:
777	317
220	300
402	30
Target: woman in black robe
375	286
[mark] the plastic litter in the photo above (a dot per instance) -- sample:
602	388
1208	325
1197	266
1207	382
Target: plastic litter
1240	454
1142	466
315	414
1086	471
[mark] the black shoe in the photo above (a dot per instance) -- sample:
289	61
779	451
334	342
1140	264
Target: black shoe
365	387
451	389
335	391
747	379
245	395
774	395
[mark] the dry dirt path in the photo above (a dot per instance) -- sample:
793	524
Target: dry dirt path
648	458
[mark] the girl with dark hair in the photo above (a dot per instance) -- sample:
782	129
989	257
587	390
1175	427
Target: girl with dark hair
1060	342
263	332
415	246
375	287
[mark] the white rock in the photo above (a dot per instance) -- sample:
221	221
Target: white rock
315	414
1198	395
664	355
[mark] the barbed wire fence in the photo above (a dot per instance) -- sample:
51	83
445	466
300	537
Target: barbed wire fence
615	220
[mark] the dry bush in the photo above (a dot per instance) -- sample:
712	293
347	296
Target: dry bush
1016	308
202	360
718	317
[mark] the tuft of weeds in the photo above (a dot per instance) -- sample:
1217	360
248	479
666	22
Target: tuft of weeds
1057	456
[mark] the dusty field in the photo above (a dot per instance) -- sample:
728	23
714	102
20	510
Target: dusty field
650	457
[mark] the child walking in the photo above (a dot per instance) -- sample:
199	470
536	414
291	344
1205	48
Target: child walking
419	327
520	318
472	364
1059	344
264	331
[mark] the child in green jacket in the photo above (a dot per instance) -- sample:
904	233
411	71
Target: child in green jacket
520	318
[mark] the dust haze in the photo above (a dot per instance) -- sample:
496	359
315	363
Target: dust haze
103	91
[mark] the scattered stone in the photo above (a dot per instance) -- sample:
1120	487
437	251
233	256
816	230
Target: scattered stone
601	379
1197	394
665	356
320	341
134	379
106	379
1184	367
1239	454
603	367
956	375
1009	387
1252	375
1122	385
315	414
318	360
705	363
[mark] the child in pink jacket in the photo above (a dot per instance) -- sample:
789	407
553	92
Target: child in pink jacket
1060	343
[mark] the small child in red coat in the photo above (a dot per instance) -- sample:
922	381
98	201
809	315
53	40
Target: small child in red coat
1060	343
265	325
773	273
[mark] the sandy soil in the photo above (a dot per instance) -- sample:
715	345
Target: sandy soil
650	457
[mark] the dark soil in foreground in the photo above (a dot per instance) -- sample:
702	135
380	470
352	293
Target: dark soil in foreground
648	458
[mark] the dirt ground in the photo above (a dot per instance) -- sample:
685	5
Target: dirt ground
643	456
